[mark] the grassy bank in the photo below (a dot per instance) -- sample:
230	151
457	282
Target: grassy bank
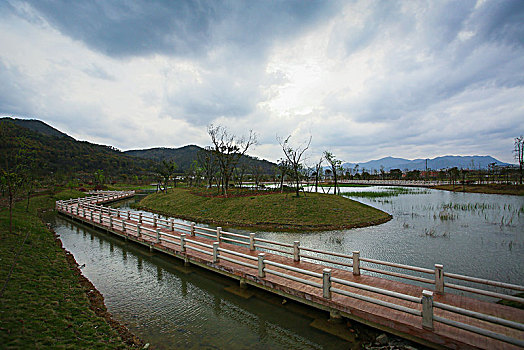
277	211
517	190
45	301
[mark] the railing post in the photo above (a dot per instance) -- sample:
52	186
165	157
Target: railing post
439	279
139	218
123	226
251	241
296	251
183	242
118	213
128	215
158	235
427	309
356	263
171	224
91	214
101	219
192	229
110	221
154	221
261	265
83	212
215	252
138	230
219	234
326	283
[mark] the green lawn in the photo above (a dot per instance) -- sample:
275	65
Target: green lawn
44	304
278	211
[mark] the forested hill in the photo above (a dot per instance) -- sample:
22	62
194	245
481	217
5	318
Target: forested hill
48	151
38	126
185	155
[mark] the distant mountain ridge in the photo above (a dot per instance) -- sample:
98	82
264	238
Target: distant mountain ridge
184	156
38	126
443	162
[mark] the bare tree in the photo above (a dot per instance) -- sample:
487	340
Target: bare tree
283	169
294	156
335	165
228	149
208	162
318	172
519	153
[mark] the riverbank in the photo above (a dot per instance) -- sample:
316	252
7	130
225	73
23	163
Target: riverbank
45	300
516	190
275	211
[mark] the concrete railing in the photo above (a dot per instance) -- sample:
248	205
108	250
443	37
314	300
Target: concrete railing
180	234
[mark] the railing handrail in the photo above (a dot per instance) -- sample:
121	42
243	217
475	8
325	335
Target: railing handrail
327	279
102	196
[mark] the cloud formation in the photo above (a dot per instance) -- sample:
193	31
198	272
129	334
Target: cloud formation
365	79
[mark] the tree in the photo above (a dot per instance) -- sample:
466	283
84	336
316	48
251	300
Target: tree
518	153
13	171
283	167
318	172
164	171
228	149
336	166
294	157
208	162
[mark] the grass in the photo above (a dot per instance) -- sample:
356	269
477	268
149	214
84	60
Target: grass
276	211
389	192
517	190
43	300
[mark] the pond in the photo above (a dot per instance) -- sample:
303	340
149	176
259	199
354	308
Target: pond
172	306
479	235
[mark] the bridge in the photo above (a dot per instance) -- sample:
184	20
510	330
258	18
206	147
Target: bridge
345	285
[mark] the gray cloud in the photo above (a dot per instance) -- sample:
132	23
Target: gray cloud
186	28
443	76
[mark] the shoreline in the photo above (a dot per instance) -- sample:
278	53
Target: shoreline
276	212
95	298
267	226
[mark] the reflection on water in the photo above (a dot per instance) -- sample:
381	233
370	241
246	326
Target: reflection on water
172	306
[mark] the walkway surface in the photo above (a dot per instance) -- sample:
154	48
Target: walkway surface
385	318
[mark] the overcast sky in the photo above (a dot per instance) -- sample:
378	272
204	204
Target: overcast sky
365	79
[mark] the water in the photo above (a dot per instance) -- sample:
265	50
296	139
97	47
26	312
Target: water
172	306
479	235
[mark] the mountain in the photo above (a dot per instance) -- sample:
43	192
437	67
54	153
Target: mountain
461	162
185	155
49	151
52	151
38	126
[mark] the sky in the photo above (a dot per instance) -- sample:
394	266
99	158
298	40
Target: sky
362	79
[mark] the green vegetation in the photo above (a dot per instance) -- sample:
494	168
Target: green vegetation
64	155
389	192
45	302
517	190
276	211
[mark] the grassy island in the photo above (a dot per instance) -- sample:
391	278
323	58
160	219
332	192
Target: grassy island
266	211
